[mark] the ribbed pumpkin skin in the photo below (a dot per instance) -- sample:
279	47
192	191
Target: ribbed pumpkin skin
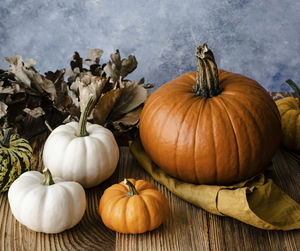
290	122
14	160
219	140
136	214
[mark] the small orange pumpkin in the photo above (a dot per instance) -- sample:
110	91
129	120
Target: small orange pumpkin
133	207
289	109
210	126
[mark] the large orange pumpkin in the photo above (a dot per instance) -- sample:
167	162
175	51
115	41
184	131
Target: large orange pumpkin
210	126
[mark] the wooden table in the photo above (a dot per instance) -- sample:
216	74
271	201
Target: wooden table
187	227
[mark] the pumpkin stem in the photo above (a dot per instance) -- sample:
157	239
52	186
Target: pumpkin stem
132	189
48	180
82	132
6	138
207	78
296	89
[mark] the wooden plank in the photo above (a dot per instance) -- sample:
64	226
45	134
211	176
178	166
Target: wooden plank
184	225
89	234
187	227
191	228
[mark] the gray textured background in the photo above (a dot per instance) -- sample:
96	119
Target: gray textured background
258	38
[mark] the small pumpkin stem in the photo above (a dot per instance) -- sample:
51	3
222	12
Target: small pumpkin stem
82	132
48	180
6	138
207	78
296	89
132	190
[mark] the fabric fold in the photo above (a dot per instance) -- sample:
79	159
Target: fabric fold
257	201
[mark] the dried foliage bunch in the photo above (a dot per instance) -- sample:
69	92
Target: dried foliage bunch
30	101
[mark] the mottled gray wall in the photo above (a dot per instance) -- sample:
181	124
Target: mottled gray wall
259	38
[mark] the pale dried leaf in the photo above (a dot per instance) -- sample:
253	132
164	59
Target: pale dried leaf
25	72
133	95
93	57
3	109
35	113
72	74
6	90
113	67
128	66
73	96
105	105
89	85
18	67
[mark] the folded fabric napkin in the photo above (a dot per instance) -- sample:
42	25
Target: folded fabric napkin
257	201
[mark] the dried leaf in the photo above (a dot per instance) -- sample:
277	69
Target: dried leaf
117	68
6	90
105	105
113	67
3	109
148	86
7	77
76	62
142	81
72	74
25	102
89	85
93	57
62	100
35	113
128	66
25	72
55	77
19	68
133	95
128	120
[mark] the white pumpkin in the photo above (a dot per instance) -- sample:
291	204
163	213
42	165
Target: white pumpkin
88	160
44	204
82	152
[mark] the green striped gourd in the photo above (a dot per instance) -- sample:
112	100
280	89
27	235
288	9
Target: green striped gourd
16	157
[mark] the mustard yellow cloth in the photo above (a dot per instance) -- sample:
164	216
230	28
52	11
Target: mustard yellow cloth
257	201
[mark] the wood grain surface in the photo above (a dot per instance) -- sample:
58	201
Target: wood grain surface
187	227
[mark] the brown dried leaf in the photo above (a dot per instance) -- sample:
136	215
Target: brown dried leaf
76	62
117	68
35	113
113	67
105	105
133	95
25	72
93	57
3	109
6	90
55	77
128	120
62	100
128	66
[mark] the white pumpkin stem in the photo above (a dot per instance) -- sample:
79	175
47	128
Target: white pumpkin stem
6	138
48	180
207	78
132	189
82	132
296	89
